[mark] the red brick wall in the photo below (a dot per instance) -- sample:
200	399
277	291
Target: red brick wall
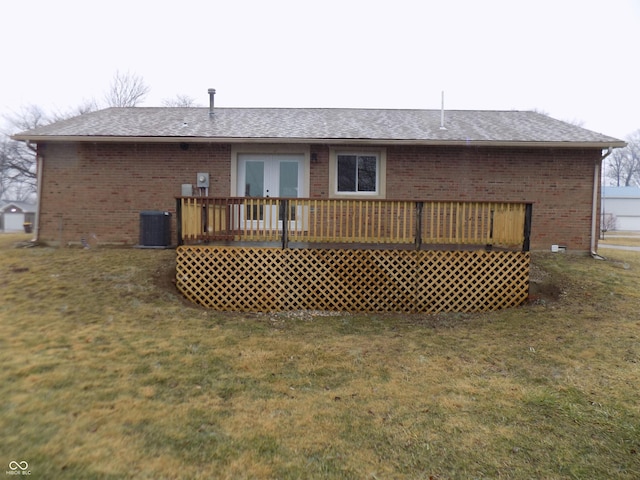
101	188
559	183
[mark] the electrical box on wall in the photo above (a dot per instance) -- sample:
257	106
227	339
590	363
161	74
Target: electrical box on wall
202	180
187	190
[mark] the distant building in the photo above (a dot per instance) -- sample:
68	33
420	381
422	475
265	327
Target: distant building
621	208
14	215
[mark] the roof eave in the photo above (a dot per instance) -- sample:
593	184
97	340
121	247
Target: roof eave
327	140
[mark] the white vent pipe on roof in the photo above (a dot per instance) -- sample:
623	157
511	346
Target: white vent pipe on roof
442	127
212	93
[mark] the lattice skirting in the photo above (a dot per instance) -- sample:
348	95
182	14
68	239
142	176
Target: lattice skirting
352	280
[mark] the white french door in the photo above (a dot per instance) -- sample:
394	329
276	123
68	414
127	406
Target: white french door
269	175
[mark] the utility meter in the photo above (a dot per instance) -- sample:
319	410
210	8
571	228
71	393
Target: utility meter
202	180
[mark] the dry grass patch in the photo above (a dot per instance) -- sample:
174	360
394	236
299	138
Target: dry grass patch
631	239
108	373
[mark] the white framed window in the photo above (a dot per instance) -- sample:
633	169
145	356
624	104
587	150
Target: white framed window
359	173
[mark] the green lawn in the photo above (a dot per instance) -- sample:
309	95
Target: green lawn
108	373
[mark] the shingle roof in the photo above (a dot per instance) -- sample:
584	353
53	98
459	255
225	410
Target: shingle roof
26	207
318	125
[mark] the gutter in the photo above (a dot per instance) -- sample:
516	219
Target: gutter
313	141
594	204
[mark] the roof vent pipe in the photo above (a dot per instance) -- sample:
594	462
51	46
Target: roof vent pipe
442	127
212	93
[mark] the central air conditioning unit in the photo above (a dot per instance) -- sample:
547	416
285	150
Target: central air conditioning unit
155	229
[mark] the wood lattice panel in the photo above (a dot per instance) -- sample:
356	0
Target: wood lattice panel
353	280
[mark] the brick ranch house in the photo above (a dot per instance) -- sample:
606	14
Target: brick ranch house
97	172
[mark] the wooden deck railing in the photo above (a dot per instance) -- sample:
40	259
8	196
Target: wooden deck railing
304	220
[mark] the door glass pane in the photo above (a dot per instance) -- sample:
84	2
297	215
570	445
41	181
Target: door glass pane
254	179
288	179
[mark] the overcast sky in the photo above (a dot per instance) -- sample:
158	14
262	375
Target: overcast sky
576	60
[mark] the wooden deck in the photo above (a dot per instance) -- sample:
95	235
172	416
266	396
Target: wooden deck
266	254
372	224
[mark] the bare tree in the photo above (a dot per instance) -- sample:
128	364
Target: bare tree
180	101
18	176
28	117
87	106
616	168
17	170
126	90
17	159
608	223
5	171
623	166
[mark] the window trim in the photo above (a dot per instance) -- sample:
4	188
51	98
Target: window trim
381	172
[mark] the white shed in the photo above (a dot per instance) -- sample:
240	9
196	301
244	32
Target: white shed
622	204
14	215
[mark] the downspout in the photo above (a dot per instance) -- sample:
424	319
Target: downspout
39	168
594	204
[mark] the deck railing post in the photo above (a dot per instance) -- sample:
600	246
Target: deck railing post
419	208
284	216
528	212
491	217
203	217
179	221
